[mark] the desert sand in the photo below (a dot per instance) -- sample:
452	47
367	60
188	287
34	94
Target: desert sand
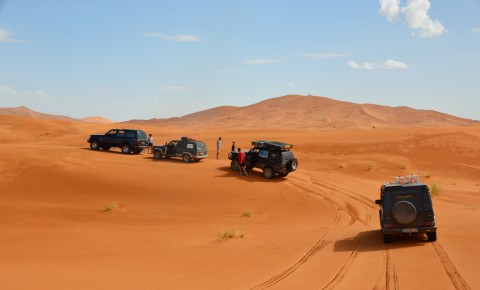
318	228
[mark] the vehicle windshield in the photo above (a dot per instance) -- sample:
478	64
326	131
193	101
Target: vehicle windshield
201	146
141	135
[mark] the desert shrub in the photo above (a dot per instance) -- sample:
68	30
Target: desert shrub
247	213
230	233
110	206
435	190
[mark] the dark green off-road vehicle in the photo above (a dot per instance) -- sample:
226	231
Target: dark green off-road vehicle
128	140
272	157
406	209
186	148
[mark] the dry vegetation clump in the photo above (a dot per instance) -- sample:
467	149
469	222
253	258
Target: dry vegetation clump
110	207
435	190
230	233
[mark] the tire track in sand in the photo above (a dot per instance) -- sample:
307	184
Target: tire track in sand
349	209
457	279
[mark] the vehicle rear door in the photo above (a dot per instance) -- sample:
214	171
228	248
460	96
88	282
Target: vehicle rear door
119	138
171	148
181	148
262	159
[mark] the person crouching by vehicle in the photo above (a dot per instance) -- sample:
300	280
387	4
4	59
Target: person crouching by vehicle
241	162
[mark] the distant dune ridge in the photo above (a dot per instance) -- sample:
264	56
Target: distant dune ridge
295	111
291	111
26	112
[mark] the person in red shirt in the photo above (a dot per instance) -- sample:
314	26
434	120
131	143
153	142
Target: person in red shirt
241	162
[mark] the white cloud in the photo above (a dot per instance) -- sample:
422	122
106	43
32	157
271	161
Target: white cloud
291	85
260	61
390	9
176	89
389	64
415	15
476	30
323	55
6	36
365	65
7	91
392	64
178	37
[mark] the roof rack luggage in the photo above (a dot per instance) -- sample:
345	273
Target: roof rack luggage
272	144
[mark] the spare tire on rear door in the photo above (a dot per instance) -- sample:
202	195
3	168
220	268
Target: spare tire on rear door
293	164
404	212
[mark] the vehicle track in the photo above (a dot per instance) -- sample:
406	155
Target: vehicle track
322	242
457	279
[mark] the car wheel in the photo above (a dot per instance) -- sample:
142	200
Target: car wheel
126	149
404	212
234	165
293	164
187	158
268	173
106	148
432	236
95	145
387	238
157	154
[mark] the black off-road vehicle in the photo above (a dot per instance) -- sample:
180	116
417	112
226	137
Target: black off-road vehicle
406	209
186	148
128	140
272	157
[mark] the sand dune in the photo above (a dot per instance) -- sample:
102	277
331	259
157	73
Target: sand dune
316	229
294	111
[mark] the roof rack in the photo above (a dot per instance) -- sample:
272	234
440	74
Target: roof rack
411	180
272	144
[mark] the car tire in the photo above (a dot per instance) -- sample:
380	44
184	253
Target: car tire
268	173
95	145
187	158
157	154
234	165
404	212
432	236
387	238
293	164
126	149
106	148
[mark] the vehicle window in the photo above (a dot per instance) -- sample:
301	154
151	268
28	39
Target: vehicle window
263	154
190	145
120	133
130	134
111	132
287	155
141	135
201	146
181	145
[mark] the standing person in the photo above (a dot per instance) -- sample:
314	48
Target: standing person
150	143
219	144
233	146
241	162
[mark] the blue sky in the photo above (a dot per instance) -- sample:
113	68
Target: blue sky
157	59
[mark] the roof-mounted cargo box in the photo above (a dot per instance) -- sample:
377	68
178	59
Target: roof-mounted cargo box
272	145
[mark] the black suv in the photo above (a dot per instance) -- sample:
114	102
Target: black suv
186	148
406	209
272	157
128	140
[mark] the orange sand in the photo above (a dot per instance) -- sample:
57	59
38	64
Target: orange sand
316	229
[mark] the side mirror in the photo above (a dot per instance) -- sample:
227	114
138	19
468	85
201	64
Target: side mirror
378	201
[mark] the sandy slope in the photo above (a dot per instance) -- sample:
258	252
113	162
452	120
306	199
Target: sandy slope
316	229
295	111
